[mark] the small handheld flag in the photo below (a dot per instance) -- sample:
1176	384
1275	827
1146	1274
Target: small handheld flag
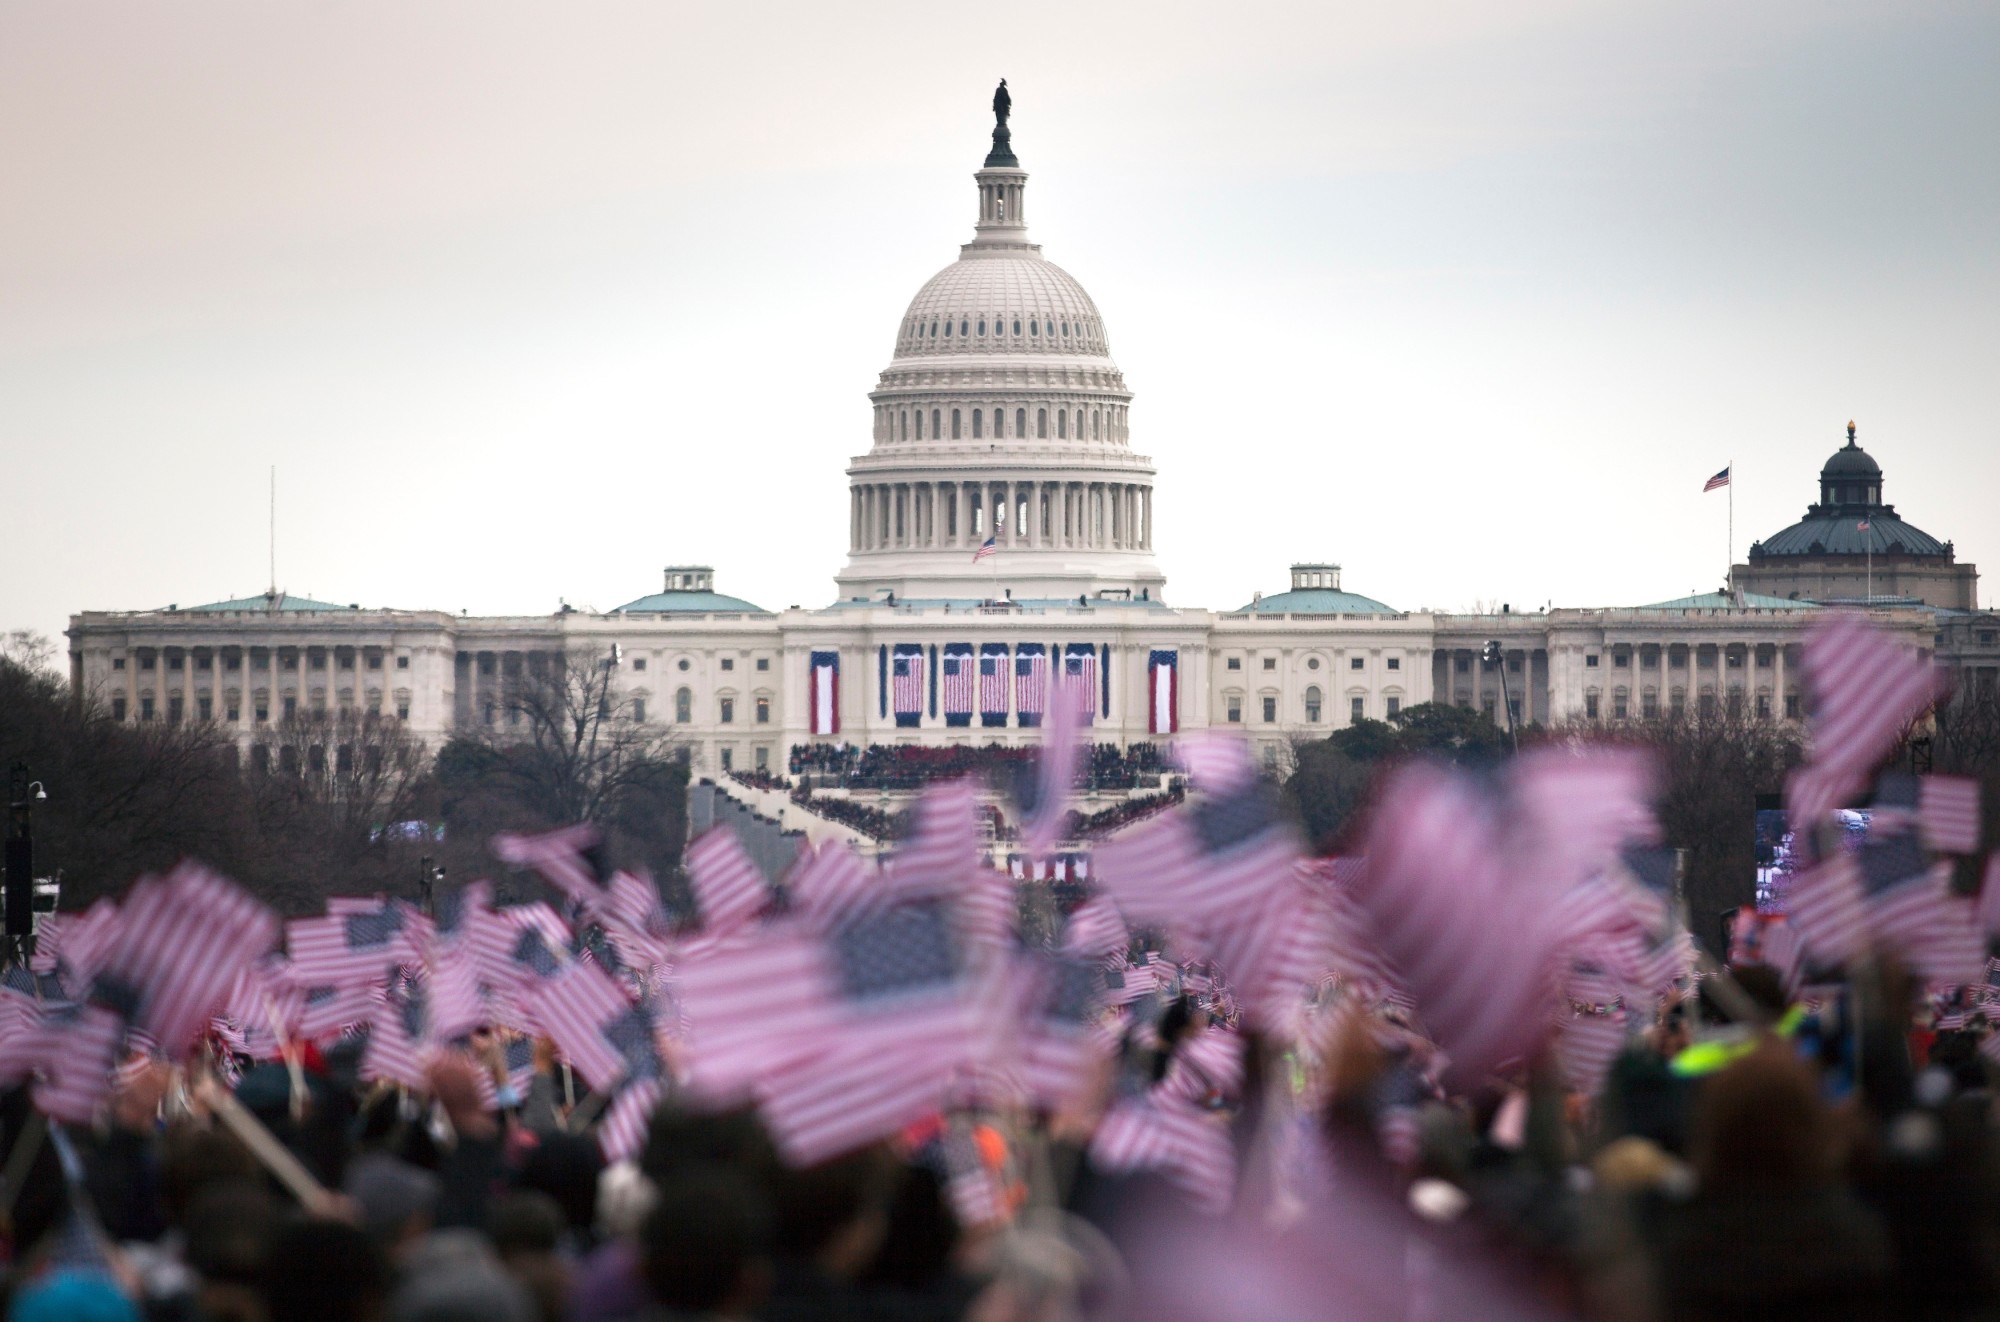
986	548
1719	480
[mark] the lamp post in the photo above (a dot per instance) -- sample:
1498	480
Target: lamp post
1495	658
22	796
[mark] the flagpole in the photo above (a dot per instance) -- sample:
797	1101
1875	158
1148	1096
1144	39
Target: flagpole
1729	558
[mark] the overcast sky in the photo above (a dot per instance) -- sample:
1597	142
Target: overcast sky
528	300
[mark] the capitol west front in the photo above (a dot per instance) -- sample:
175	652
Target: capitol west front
1001	532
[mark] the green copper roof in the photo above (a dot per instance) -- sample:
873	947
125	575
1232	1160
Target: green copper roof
687	602
284	601
1316	601
1723	601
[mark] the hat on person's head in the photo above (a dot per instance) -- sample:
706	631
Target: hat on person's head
465	1291
391	1194
72	1296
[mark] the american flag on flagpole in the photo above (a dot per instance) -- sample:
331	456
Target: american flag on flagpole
988	547
728	887
1948	812
1719	480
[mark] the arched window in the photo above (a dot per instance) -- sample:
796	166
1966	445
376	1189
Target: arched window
934	330
947	330
1020	423
982	325
905	424
1096	424
1062	423
683	706
1312	705
1034	327
976	433
1042	423
1017	325
954	424
920	424
961	330
1065	328
937	424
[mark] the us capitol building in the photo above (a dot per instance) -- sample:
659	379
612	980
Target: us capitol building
1001	531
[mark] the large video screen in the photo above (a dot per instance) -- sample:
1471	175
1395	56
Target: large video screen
1776	857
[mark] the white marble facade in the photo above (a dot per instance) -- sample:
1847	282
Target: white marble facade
1001	415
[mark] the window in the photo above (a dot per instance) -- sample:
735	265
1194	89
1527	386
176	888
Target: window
763	758
937	424
1270	710
1312	705
346	660
145	660
1649	705
1621	660
1791	706
1312	663
1678	703
728	711
292	709
638	663
260	758
1233	663
1514	710
728	759
1590	706
1062	424
1987	637
1618	707
1017	325
402	710
639	710
118	707
146	707
1763	660
763	711
1464	665
1395	663
203	662
233	713
977	415
204	708
1355	663
1270	663
763	663
683	707
1514	664
1590	662
1763	706
1395	705
684	663
117	663
729	663
1234	707
402	663
1034	326
955	419
1042	424
262	712
174	661
1735	660
1357	708
1020	415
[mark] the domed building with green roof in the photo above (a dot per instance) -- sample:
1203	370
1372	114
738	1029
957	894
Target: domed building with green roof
1853	547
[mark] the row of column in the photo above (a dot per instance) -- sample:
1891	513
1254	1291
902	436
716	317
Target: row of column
1093	424
1095	516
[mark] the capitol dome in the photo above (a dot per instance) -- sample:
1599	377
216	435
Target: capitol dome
1001	302
1001	426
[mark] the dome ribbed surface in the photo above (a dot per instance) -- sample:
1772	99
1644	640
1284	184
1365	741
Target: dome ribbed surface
1851	461
1840	534
982	299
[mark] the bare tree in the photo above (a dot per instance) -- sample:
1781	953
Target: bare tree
568	745
30	649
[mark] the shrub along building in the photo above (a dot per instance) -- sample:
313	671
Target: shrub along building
1002	532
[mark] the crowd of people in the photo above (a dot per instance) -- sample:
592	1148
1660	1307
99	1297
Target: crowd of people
909	767
1476	1069
1090	826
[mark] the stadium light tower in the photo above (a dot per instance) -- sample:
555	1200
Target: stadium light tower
1494	657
